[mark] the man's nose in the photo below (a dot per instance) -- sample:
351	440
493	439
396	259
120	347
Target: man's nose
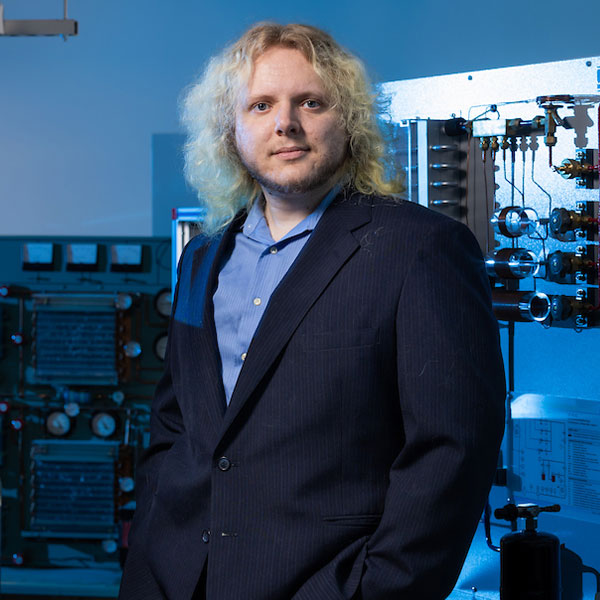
286	121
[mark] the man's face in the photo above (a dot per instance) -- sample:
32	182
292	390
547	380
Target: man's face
286	134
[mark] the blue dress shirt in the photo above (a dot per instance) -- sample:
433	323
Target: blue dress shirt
248	276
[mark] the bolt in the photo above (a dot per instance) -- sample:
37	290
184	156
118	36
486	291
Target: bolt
580	321
580	277
580	294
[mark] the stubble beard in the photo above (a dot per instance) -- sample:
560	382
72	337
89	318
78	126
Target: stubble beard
317	178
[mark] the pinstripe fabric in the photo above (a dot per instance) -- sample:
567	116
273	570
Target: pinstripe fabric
251	271
362	434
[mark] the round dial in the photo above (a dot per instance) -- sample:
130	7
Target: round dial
163	303
58	423
103	424
160	346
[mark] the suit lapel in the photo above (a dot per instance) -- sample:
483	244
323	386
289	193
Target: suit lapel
329	247
204	348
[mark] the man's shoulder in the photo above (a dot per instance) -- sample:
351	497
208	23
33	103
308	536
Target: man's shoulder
197	248
201	242
400	212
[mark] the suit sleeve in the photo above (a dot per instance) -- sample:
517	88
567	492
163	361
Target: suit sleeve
451	391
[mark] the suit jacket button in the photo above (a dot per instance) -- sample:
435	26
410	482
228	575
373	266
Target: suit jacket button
206	536
224	463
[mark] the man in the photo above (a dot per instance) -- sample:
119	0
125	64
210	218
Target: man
329	420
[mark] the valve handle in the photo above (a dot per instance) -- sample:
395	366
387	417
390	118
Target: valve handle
512	512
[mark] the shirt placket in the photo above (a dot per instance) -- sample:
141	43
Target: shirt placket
260	289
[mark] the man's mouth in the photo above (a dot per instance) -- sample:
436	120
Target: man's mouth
290	152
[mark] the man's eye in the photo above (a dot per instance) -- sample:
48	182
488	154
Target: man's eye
261	106
311	104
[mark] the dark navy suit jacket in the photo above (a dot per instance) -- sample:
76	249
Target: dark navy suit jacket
362	436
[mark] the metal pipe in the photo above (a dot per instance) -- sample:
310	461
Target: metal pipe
520	306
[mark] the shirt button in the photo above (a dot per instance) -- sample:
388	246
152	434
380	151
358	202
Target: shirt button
244	356
273	250
206	536
224	463
257	301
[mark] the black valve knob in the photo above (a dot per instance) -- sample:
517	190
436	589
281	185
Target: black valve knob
454	127
508	513
560	308
559	263
561	220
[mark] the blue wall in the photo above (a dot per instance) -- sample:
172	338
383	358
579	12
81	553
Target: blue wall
77	118
82	122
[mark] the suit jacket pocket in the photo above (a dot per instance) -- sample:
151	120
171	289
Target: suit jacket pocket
330	340
370	520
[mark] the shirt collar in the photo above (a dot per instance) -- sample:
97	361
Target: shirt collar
255	227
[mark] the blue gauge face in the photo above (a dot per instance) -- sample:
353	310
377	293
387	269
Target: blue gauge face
160	347
163	303
103	424
58	423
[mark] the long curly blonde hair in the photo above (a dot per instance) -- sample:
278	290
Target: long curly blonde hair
212	165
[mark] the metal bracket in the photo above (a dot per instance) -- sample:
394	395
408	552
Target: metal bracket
38	27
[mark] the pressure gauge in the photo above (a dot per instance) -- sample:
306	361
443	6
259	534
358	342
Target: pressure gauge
103	424
163	302
160	346
58	423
